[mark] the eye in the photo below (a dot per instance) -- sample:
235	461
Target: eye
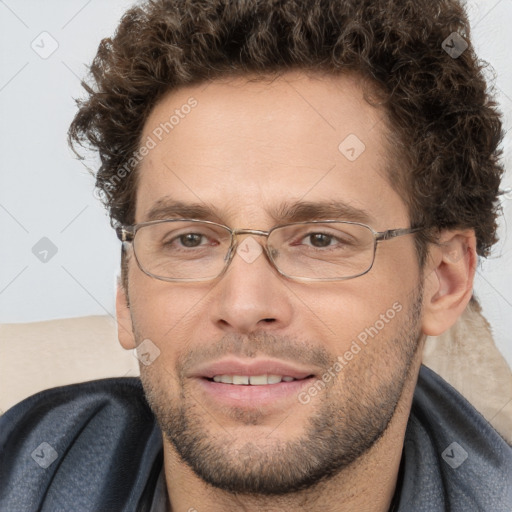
183	240
319	239
191	239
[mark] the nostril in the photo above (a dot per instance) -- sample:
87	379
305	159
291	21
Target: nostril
269	320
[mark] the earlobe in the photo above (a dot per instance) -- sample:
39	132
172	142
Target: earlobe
124	320
448	282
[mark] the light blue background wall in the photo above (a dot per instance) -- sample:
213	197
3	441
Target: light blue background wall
45	192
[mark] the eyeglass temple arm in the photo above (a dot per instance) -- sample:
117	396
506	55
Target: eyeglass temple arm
393	233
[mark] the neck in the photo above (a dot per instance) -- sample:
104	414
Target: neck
367	485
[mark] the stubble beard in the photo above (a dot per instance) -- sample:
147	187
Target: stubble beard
346	419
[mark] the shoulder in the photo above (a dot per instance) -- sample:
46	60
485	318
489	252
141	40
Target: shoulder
86	445
454	459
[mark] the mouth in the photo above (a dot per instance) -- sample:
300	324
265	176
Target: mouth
258	384
254	380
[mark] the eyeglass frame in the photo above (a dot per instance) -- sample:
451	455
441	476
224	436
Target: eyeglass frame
126	234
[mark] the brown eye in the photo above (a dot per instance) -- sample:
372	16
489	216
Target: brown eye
320	239
191	240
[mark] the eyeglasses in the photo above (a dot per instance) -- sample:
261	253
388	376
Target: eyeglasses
180	250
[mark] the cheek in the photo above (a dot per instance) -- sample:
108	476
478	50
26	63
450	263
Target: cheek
166	313
395	276
336	314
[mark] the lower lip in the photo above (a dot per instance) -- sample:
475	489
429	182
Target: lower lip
251	397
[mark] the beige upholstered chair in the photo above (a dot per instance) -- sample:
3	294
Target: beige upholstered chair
41	355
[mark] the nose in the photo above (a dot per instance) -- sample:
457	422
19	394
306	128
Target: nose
251	295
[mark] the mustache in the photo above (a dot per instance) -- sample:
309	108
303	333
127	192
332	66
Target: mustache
256	344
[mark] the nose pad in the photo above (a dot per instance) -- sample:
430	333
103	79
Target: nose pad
231	251
272	252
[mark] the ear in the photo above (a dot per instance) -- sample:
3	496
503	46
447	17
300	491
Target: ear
124	320
448	280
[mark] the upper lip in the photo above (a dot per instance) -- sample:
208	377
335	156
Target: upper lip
235	366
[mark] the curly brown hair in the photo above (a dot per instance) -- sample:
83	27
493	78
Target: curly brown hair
445	127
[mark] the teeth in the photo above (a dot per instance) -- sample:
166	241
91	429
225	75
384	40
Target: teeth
258	380
240	379
254	380
226	379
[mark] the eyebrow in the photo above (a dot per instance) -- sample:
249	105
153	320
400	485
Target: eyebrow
335	210
168	208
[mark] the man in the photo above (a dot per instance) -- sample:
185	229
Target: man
301	189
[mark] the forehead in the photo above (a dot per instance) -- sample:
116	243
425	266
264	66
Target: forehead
244	147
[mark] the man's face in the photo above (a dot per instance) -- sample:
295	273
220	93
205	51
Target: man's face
250	152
